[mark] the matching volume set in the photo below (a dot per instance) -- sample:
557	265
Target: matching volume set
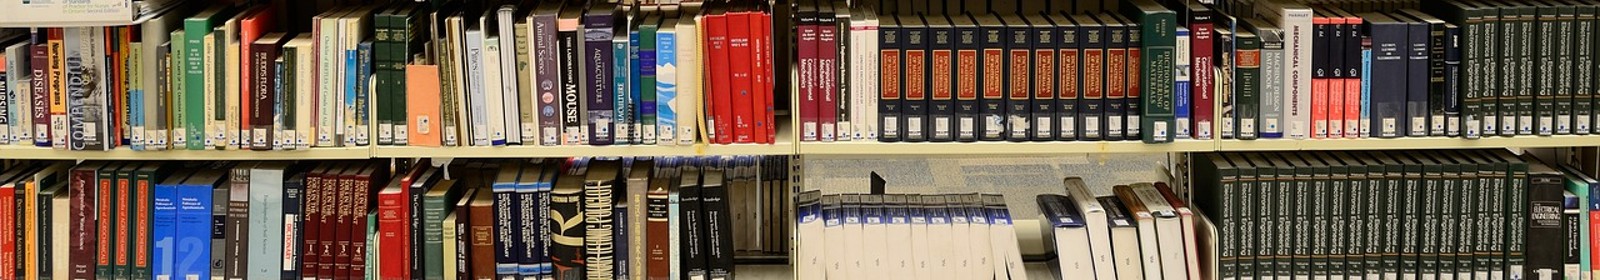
266	77
581	218
1461	214
1159	70
923	236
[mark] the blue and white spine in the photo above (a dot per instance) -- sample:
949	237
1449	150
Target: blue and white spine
506	245
163	231
1366	91
633	115
1181	91
363	94
193	247
626	97
527	198
666	69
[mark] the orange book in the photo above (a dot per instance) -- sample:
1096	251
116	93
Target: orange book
422	105
252	26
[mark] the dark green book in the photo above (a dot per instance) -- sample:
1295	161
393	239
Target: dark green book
1475	172
1219	182
1505	28
1566	34
647	88
1516	201
1583	81
1450	198
1300	212
1280	196
1158	45
1341	261
1393	216
1424	217
1546	79
437	203
1320	201
144	180
1523	34
1255	255
105	210
1499	223
1247	79
1360	254
383	36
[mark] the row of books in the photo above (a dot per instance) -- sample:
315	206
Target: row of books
924	236
483	219
1248	69
402	73
1449	213
1141	231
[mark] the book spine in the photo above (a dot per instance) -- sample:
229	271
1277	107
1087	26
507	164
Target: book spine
393	232
598	75
720	96
1043	109
221	227
1182	93
742	81
528	222
1116	84
1321	73
764	72
195	212
890	76
691	251
665	93
1093	104
571	78
294	191
1582	73
1158	95
1352	78
657	241
647	102
566	247
1069	84
598	240
1018	73
966	79
40	87
263	95
842	80
1203	87
942	81
991	82
545	229
719	232
506	229
807	32
1247	74
434	257
105	197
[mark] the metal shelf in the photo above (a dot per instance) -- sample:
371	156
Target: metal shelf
123	153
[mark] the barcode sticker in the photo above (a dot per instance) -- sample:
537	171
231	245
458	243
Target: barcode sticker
1247	127
891	126
1419	126
827	132
1452	125
1525	125
1183	127
1352	128
1473	130
1321	128
1564	124
1043	123
1436	125
941	127
965	125
1388	128
1114	126
1068	127
913	126
1159	134
1091	127
1133	124
1583	124
810	130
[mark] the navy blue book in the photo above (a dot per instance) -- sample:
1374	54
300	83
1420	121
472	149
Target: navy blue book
526	197
941	78
967	44
913	121
1389	51
1418	112
598	25
1019	78
1070	78
1091	106
1116	79
1045	44
294	189
506	229
890	86
992	79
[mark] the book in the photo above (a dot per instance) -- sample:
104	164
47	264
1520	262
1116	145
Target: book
890	89
566	226
1069	83
1389	52
1098	235
914	104
479	259
1157	25
1247	75
598	23
1124	239
689	79
717	224
941	79
1068	232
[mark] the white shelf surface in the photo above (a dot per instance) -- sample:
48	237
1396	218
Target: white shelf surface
124	153
1001	148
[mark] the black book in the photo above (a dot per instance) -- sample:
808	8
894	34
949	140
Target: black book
692	252
1322	30
1018	74
717	223
890	86
913	120
294	189
941	78
1546	70
1116	87
1390	49
1545	236
1343	255
566	242
1523	32
1438	97
1583	53
992	79
1091	110
570	43
1418	97
1069	78
967	45
1516	193
1043	110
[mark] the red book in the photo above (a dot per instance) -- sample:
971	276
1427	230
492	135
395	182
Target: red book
742	81
393	232
1319	76
761	92
251	27
329	231
365	187
8	246
115	91
718	64
765	60
1352	78
41	94
343	225
1202	63
312	215
81	190
123	187
827	81
807	36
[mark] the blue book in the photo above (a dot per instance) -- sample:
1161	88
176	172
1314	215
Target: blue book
598	32
1181	90
527	195
666	70
163	227
193	246
622	102
279	141
1366	91
634	114
363	71
506	261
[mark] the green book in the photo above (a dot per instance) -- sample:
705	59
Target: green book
1283	213
1391	214
1157	34
647	77
371	273
1223	177
1252	256
1340	218
382	35
437	203
1473	44
106	194
1583	69
195	29
1247	79
1546	78
1516	209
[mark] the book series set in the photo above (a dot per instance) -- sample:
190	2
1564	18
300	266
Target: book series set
923	236
1462	214
202	76
1141	231
1173	69
580	218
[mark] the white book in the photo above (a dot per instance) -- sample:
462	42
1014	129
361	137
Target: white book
1189	226
1094	216
494	96
690	91
921	254
1295	20
450	250
870	115
511	115
266	222
1168	229
979	237
875	233
899	260
668	90
235	136
1068	233
809	255
60	229
1206	238
1007	258
1124	239
476	87
960	253
854	237
19	80
941	249
327	77
8	88
1144	218
833	232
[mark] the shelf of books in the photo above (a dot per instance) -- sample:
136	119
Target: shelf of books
784	145
40	153
1001	148
1409	143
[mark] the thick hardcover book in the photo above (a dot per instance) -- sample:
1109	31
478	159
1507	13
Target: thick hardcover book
692	251
1202	60
1042	110
991	80
890	66
1157	48
1018	38
238	219
569	45
598	208
1091	110
807	30
1389	52
1323	28
567	227
718	225
1418	113
1270	93
718	97
1545	235
1069	80
1247	76
1116	76
966	44
1583	53
598	58
507	220
826	70
942	78
914	116
478	259
657	236
1522	27
196	211
546	69
105	221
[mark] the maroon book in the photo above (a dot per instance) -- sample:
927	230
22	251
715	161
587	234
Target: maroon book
262	81
82	189
41	95
310	247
